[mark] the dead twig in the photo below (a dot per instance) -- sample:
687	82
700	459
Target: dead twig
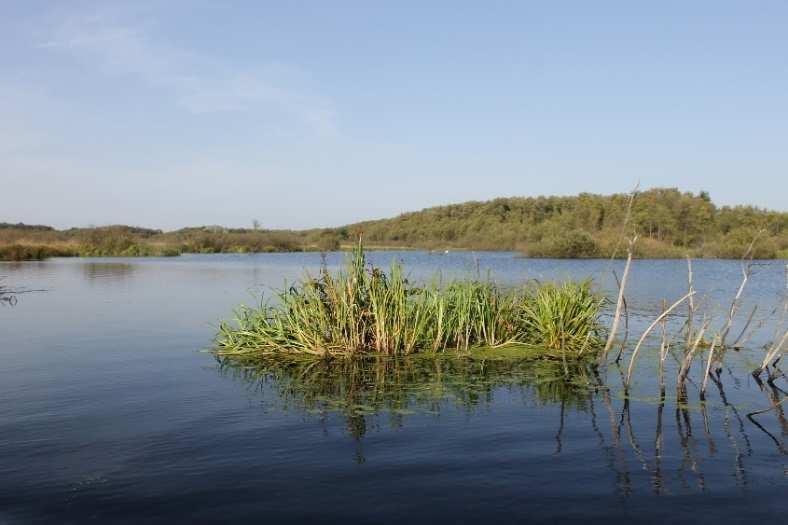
691	302
771	355
746	270
626	322
708	370
619	302
687	362
648	331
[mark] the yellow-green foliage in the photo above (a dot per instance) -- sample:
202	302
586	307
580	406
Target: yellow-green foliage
670	224
21	242
562	317
365	310
25	252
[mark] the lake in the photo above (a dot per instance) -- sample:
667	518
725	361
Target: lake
113	411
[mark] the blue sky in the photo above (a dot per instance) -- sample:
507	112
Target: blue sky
303	114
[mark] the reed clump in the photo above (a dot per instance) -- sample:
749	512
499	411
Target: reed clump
364	310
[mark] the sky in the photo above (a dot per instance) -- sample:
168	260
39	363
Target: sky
304	114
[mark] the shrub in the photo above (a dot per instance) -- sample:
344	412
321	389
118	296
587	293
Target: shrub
566	245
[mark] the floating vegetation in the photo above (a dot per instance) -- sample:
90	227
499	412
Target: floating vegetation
363	310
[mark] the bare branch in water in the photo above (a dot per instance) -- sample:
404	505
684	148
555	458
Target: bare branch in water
746	326
648	331
685	365
746	270
772	355
691	302
619	302
626	321
708	370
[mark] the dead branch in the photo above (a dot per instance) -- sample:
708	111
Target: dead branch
771	355
746	326
687	362
648	331
708	370
746	270
626	322
691	302
620	302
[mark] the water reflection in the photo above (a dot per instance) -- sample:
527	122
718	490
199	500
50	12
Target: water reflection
108	409
404	386
685	455
113	271
775	396
9	296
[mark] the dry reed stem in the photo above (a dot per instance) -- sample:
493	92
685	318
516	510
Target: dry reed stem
708	369
619	302
772	355
746	326
623	344
622	284
746	270
691	303
648	331
687	362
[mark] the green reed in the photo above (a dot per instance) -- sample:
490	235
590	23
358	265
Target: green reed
363	310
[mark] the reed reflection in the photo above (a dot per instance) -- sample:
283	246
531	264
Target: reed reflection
113	271
360	391
365	387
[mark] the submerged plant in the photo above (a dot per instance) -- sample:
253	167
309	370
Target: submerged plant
365	310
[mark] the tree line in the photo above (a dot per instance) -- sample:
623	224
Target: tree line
669	223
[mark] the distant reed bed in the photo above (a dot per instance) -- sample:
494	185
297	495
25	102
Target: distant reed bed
28	252
365	310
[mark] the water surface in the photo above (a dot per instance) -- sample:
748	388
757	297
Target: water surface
112	413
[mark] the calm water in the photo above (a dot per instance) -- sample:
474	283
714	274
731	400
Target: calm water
111	412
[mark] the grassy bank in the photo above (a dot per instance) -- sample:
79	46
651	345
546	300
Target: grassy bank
364	310
20	242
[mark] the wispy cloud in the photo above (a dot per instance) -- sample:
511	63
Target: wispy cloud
195	83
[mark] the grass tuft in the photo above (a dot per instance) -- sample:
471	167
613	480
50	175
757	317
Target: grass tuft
364	310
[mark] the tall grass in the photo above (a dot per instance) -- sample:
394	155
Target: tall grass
365	310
